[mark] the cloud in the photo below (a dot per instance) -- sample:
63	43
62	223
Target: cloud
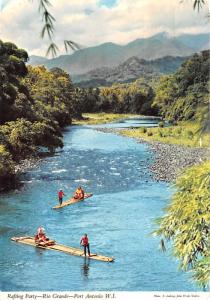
91	22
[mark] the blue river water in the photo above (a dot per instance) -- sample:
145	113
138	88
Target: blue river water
118	219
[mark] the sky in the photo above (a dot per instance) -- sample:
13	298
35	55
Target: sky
93	22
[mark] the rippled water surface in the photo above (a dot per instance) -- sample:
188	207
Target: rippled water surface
118	219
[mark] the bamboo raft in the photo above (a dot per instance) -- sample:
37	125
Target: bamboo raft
72	201
62	248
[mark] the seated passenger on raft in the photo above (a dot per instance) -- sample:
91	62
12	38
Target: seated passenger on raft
79	194
41	238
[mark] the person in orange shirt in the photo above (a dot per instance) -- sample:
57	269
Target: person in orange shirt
85	243
79	194
60	196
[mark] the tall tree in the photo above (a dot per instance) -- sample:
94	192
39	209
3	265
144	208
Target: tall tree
12	69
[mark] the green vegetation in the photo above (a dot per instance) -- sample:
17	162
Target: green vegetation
187	220
100	118
185	133
185	94
34	106
7	169
133	98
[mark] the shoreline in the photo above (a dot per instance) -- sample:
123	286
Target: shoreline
169	159
104	118
23	166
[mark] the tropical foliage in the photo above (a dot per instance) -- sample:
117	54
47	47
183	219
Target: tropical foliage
12	68
187	222
184	95
133	97
34	106
185	133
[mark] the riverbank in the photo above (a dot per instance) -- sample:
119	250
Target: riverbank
104	118
185	133
169	159
99	118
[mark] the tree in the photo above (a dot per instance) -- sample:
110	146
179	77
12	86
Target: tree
12	69
183	95
187	221
52	93
7	169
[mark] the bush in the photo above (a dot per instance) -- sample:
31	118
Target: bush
189	134
160	133
161	124
179	131
6	163
171	121
149	133
143	129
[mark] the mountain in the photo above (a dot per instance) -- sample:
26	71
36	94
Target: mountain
84	60
37	60
110	54
198	42
128	71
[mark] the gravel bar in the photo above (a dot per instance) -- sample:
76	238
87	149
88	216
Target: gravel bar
169	159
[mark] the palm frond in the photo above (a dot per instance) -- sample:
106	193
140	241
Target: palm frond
52	49
198	4
43	5
72	45
162	245
48	18
49	29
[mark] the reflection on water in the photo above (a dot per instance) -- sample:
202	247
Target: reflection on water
85	266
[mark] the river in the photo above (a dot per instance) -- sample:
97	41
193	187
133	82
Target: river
118	219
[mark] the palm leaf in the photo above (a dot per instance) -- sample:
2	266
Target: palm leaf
70	44
53	49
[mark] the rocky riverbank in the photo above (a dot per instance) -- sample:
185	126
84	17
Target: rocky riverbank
169	159
26	164
12	180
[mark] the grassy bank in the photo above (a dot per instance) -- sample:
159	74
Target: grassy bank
185	134
100	118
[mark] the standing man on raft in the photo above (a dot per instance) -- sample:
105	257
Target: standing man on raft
60	196
85	243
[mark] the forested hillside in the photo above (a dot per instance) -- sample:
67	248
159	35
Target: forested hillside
135	98
179	96
184	95
129	71
34	105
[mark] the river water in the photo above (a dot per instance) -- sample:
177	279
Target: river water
118	219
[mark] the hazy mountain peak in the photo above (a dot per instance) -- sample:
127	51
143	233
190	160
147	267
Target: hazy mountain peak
110	54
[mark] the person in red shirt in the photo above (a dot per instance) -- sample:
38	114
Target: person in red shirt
85	243
60	196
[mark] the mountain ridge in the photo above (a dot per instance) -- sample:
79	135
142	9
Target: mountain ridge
110	54
129	71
